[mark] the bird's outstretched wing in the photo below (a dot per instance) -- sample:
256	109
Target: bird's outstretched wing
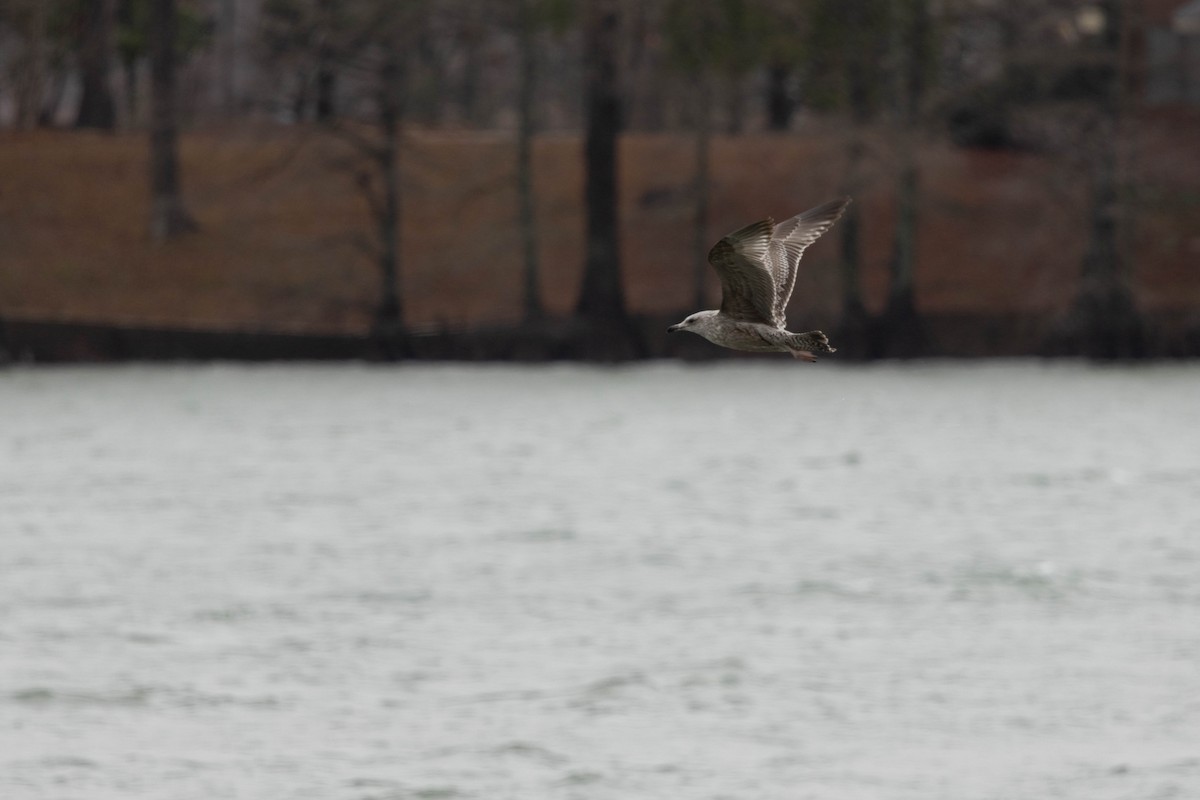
747	285
788	242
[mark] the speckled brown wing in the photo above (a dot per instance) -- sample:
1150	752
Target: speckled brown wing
788	243
747	285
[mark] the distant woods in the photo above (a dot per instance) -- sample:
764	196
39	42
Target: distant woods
1053	76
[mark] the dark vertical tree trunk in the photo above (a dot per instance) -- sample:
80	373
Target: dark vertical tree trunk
899	331
301	97
96	47
854	325
470	94
526	95
1106	323
900	328
700	243
853	310
780	105
129	73
326	78
326	91
389	318
853	329
900	303
601	295
167	215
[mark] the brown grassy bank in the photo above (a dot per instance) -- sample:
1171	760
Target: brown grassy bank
282	229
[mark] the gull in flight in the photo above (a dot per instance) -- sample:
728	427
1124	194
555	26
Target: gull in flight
757	265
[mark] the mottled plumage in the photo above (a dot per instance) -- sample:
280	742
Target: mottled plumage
757	265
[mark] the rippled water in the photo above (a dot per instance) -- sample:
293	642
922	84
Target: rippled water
748	581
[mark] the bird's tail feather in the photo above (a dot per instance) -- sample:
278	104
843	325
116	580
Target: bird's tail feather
804	345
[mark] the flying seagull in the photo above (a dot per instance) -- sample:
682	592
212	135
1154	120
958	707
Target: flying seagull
757	265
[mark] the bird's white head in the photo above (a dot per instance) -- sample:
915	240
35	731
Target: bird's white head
697	323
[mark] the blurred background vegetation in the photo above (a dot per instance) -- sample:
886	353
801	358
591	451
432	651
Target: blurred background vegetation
543	178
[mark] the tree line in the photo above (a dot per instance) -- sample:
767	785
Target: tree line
1045	75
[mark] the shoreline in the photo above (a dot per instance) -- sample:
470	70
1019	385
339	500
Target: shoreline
636	338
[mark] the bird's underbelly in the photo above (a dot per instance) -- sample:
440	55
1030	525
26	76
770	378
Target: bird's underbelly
755	338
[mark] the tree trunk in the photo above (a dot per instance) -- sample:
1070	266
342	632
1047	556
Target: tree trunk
853	309
389	319
471	97
900	328
780	105
903	261
1106	323
601	295
526	95
326	90
167	215
700	243
855	324
96	109
853	329
300	98
899	331
326	78
129	73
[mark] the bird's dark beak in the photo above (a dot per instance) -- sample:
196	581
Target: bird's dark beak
674	328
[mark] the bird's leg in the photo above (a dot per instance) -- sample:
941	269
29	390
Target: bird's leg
803	354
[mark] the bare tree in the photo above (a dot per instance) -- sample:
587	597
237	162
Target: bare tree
376	47
601	296
168	217
390	94
377	170
781	104
1061	87
369	49
847	45
526	95
96	48
308	40
854	325
912	33
532	18
702	191
693	33
135	39
325	71
779	31
708	39
1104	319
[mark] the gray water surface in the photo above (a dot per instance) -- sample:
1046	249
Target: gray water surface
758	581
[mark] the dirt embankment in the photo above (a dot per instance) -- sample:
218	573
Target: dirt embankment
285	238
